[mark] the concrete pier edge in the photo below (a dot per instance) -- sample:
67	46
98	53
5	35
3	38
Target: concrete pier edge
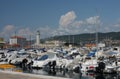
31	75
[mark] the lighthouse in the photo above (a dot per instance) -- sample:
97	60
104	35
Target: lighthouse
38	38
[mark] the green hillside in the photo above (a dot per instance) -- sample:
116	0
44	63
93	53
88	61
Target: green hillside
86	37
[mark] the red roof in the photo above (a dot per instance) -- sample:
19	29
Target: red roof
19	37
15	45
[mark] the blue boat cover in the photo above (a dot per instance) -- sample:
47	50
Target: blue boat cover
92	53
44	57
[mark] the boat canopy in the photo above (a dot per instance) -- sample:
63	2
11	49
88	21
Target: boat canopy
92	53
44	57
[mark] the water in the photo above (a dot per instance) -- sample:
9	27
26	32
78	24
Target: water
69	74
74	75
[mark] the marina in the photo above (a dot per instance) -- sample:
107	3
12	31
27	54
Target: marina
62	62
59	39
71	62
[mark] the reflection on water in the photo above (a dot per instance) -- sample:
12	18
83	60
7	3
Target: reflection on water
52	72
112	76
73	75
100	76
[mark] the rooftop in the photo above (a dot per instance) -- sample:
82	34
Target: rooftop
19	37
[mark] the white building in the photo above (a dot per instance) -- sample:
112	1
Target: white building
38	38
17	41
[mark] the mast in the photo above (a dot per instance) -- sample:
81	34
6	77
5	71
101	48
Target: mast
69	39
73	40
30	41
97	37
97	26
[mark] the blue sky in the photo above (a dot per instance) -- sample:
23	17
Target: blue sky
58	17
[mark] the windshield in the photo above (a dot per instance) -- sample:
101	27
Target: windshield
44	57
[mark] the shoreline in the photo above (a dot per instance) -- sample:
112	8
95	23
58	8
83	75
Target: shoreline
20	75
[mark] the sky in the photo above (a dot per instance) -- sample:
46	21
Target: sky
58	17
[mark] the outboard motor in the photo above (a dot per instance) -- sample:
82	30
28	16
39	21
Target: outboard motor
77	69
24	64
101	67
30	66
49	64
54	64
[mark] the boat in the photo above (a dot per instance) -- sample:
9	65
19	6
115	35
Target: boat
43	60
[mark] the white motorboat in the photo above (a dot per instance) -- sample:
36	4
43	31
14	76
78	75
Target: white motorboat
44	59
89	65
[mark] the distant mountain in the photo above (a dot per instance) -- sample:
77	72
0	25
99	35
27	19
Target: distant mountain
86	37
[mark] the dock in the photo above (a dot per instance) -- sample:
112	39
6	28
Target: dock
20	75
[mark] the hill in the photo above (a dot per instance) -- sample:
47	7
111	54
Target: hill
86	37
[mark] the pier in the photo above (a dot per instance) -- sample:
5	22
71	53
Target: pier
19	75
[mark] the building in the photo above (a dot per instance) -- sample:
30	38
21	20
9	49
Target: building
17	41
37	42
90	45
2	43
38	38
51	44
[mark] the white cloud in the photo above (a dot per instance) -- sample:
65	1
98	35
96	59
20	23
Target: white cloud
111	28
78	23
69	25
107	29
117	25
8	29
25	31
66	19
93	20
46	31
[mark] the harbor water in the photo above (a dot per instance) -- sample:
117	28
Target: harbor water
70	74
75	75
